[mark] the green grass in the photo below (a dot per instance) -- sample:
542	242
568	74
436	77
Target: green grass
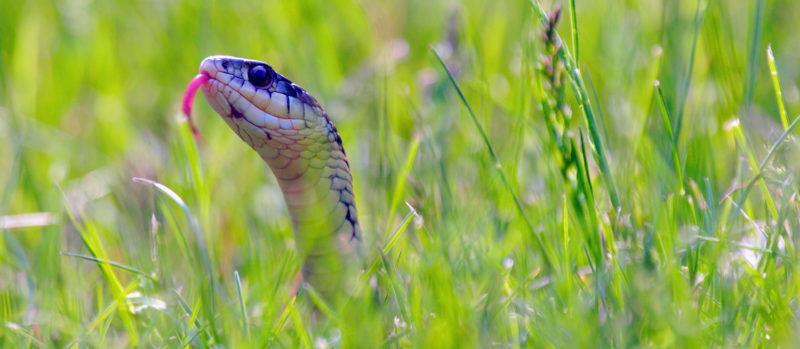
628	178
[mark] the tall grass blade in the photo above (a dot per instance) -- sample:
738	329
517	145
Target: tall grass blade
773	72
676	157
573	17
700	15
242	308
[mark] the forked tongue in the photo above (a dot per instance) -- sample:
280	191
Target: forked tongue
188	98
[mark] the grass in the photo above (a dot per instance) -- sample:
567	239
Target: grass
623	174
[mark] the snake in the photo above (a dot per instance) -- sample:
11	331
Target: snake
292	133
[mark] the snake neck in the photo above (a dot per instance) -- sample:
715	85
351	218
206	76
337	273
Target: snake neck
318	190
317	187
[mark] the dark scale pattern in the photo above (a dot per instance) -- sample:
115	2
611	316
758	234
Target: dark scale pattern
351	216
305	97
290	89
284	86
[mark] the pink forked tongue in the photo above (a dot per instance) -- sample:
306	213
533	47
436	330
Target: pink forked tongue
188	98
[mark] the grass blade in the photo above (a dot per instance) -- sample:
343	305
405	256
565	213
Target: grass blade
676	157
573	18
111	263
752	59
242	308
773	72
400	184
700	16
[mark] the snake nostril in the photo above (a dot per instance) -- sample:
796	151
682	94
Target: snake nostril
225	65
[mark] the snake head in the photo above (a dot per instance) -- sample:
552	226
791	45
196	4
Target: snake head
256	101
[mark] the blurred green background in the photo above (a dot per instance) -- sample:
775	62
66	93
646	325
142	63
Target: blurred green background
89	98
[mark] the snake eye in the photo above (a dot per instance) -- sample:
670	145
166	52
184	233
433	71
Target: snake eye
258	75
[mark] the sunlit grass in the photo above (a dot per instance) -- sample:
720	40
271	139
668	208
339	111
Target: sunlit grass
628	178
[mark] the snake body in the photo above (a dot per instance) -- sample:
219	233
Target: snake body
288	128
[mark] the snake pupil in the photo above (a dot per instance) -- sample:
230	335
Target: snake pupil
258	75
